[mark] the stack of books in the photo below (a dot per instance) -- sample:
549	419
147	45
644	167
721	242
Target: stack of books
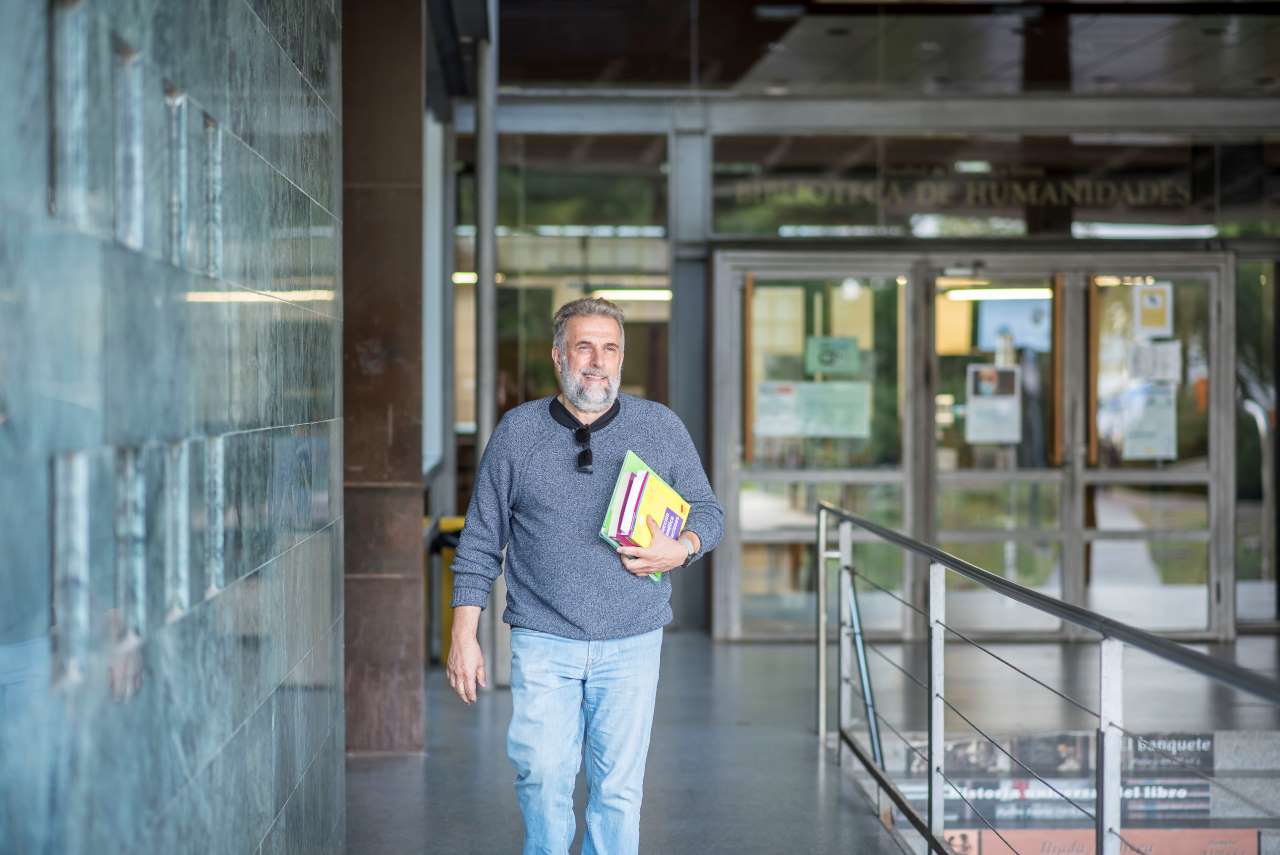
640	493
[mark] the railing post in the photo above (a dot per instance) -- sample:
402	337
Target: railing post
1110	720
821	583
937	689
845	703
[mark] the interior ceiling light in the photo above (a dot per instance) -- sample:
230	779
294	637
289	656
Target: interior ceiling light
634	295
464	278
973	166
1113	281
1162	231
322	294
984	294
779	11
959	280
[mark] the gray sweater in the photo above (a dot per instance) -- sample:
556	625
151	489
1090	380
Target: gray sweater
562	577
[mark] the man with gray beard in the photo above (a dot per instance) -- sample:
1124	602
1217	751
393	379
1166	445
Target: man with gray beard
586	621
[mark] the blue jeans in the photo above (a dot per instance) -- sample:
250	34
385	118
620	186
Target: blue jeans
24	676
562	689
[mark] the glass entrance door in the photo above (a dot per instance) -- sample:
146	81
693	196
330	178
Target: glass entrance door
999	437
809	408
1081	415
821	420
1157	481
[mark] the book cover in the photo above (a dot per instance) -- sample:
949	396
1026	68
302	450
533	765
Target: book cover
639	492
658	500
630	505
631	464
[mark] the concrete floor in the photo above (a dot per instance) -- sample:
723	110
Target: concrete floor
734	767
734	764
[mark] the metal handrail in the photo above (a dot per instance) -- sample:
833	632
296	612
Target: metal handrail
1224	672
931	825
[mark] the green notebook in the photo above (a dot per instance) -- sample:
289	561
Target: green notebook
631	463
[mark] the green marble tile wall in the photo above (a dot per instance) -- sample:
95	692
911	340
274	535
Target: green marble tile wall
171	606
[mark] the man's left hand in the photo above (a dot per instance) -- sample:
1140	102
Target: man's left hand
661	555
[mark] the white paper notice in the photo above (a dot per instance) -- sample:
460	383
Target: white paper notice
1160	362
828	409
993	411
777	410
1151	422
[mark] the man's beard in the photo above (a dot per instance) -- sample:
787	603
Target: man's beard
588	398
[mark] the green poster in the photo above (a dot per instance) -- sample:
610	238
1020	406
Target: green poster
827	354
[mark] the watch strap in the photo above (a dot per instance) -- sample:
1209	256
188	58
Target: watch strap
689	550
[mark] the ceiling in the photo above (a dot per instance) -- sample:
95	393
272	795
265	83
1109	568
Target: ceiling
856	48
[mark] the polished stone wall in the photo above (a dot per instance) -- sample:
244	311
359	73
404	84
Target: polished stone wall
171	513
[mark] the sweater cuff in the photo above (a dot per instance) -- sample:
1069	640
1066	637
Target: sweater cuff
469	597
697	553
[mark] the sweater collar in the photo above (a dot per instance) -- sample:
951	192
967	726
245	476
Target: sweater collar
561	414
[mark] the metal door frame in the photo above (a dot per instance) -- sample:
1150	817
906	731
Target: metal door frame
730	269
918	474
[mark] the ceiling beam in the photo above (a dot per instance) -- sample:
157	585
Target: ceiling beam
845	8
624	112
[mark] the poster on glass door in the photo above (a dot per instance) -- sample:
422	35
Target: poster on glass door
1150	419
1153	310
839	409
993	409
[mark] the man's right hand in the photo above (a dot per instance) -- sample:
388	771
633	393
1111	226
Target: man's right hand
465	667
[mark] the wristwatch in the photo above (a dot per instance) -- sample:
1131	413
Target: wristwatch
688	545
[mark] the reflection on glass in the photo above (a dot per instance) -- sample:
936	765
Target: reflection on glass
577	215
1002	506
1149	389
878	564
1147	508
1153	584
1256	598
778	588
774	507
821	373
997	380
1037	565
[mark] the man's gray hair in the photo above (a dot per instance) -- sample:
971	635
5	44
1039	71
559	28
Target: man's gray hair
588	306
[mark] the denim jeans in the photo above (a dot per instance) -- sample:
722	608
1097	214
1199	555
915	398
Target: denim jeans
561	690
24	676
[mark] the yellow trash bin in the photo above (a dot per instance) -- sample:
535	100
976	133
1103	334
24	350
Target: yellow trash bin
445	543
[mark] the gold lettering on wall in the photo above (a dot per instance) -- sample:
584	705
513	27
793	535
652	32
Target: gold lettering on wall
962	192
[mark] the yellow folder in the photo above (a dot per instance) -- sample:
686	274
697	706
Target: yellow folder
639	493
